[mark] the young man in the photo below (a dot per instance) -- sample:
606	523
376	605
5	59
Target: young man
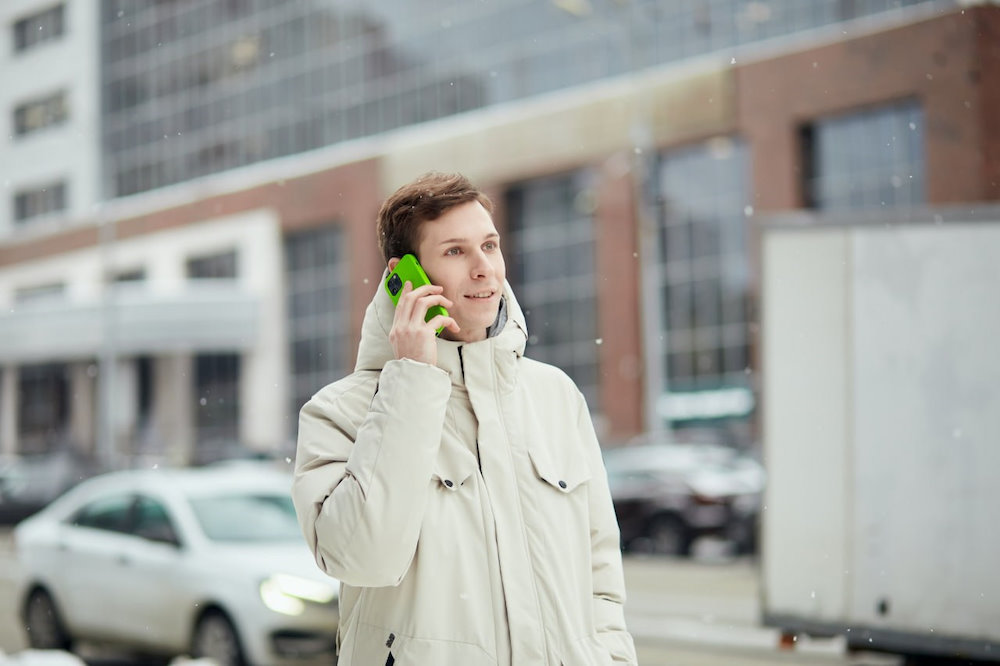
454	486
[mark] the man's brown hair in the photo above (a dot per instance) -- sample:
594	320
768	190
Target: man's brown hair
427	198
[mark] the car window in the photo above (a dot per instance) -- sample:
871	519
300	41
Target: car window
247	517
109	513
152	521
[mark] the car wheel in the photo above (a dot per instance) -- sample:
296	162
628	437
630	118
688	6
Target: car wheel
215	638
743	536
44	624
668	536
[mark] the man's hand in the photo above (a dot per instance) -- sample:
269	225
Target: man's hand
411	337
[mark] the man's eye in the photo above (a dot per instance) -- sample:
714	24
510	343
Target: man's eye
452	251
490	245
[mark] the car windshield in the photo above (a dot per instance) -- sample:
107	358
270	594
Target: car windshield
247	517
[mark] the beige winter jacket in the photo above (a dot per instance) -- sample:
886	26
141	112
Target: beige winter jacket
464	508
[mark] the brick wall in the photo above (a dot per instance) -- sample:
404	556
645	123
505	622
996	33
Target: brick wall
944	62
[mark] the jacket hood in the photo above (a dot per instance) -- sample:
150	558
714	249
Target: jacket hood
375	350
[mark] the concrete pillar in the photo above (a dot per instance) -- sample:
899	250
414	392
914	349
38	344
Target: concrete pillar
263	396
172	412
264	372
126	393
83	406
8	409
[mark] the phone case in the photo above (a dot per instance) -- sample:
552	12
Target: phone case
409	270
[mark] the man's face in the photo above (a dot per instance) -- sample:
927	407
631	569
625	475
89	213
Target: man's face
460	251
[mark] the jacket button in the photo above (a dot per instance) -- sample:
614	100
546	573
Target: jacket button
448	483
562	484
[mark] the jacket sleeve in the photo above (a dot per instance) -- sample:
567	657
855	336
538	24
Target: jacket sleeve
606	556
360	493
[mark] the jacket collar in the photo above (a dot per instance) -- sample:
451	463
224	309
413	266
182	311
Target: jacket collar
375	350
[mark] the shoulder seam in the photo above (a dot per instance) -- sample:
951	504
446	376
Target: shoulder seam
332	392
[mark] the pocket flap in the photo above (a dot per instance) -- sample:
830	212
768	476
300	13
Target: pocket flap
453	467
563	472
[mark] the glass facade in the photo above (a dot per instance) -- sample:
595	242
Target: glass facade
866	159
216	394
318	300
43	408
553	273
703	195
196	87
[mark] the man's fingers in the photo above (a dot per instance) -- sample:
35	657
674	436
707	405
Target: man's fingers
414	301
404	303
413	306
423	290
434	299
437	321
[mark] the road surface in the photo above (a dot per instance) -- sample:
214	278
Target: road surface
700	612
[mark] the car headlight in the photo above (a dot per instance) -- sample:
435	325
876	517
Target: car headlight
288	595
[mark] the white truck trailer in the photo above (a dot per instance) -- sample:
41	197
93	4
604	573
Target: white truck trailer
880	363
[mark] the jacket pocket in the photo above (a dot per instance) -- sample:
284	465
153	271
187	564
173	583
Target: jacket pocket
557	521
562	473
453	467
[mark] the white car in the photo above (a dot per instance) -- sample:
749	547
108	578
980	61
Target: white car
205	562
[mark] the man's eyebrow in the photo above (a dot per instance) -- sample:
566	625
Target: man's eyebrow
458	241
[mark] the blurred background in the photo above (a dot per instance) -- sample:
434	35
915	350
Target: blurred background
761	236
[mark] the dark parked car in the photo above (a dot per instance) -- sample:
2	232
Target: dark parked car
668	495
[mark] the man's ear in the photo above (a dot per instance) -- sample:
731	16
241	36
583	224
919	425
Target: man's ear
392	263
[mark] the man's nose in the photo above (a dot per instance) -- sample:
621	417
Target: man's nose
481	266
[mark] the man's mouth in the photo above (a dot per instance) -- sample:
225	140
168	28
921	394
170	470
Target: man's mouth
482	295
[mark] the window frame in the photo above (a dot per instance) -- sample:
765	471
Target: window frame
54	17
53	109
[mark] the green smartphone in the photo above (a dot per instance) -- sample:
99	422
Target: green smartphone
409	270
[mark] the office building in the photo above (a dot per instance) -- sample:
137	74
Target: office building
244	149
51	118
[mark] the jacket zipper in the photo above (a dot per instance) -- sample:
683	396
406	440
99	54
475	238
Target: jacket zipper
461	365
390	660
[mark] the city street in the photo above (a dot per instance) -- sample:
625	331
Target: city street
705	612
722	273
701	612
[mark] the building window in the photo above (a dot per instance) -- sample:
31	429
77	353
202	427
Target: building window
40	113
139	178
704	285
318	311
39	28
43	409
129	275
866	159
552	236
216	393
39	201
221	266
144	391
35	294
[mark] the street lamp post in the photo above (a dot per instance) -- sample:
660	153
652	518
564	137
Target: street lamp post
108	354
653	331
